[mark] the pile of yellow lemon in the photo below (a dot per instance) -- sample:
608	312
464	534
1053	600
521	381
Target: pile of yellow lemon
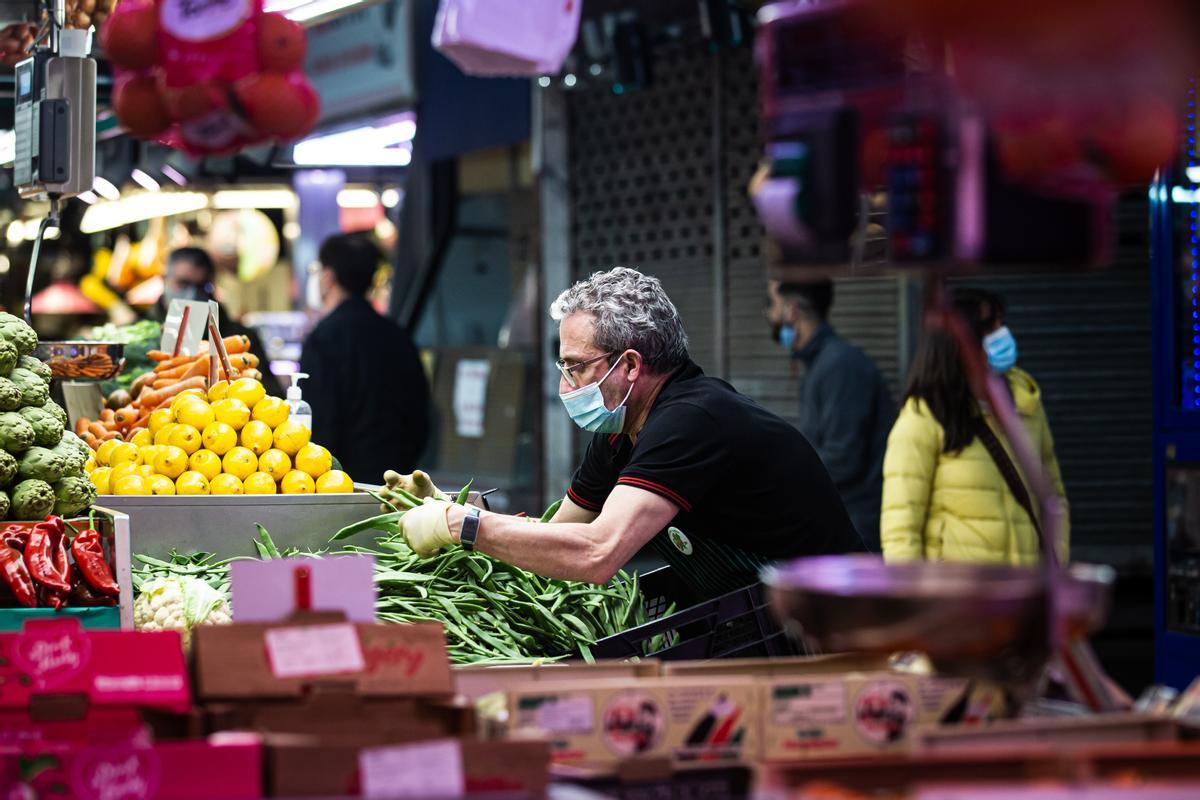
234	439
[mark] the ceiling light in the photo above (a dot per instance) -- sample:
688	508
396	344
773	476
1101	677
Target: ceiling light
254	198
357	198
145	181
570	80
105	189
385	145
138	208
544	81
291	230
174	174
318	8
1193	174
15	232
88	197
5	264
390	198
30	232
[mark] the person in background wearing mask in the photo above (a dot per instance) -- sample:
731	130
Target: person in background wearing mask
736	485
190	274
945	494
366	385
846	408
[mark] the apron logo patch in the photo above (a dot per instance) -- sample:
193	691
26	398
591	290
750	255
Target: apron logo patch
682	543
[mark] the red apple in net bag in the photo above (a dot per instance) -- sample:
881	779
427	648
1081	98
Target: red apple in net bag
275	106
139	106
281	43
130	37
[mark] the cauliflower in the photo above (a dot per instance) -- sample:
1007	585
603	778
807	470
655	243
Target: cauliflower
179	603
45	465
73	451
16	434
8	468
32	500
73	494
10	395
8	356
57	410
36	366
14	330
47	430
34	390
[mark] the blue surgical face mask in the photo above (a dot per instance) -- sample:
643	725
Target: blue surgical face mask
787	336
587	409
1001	348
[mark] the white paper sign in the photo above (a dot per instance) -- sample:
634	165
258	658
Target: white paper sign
470	396
426	770
314	650
190	329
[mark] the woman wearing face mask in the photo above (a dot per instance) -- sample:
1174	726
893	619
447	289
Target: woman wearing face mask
945	490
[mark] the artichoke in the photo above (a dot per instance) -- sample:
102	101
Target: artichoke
73	494
10	395
4	504
36	366
16	434
57	410
14	330
73	450
34	390
45	465
8	356
47	430
32	500
8	468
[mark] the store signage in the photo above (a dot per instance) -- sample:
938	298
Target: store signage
267	591
363	61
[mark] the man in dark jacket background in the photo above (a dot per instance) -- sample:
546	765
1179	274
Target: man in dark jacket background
846	408
367	387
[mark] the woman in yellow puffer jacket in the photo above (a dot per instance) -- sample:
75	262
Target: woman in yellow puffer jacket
944	498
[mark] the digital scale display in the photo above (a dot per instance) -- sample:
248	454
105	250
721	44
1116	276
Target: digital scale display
25	82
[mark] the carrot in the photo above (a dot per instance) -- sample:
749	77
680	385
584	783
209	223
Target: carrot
197	369
158	355
112	435
107	414
98	430
153	399
235	345
174	363
177	372
90	439
125	416
141	383
81	426
243	361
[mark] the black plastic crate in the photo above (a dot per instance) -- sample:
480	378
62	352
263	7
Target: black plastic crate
735	625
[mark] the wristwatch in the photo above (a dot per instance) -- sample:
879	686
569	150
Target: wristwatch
470	528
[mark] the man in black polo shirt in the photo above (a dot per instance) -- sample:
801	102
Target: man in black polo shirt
672	448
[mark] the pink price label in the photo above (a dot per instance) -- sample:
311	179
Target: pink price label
313	650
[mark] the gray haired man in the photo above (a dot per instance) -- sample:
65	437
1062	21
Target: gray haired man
716	483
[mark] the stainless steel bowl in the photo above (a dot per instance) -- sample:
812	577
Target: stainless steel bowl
83	361
971	620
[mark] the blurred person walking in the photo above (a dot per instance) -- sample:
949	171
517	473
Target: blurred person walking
367	386
846	408
951	488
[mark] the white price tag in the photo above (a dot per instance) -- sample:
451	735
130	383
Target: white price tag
425	770
567	714
314	650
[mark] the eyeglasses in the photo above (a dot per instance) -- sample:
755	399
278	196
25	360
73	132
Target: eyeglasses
568	373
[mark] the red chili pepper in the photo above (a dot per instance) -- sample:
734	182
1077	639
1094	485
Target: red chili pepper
55	599
93	566
83	595
16	576
16	537
40	556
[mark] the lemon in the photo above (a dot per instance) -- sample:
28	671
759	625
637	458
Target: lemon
142	438
240	462
226	484
151	452
146	471
219	437
218	391
198	415
164	433
206	462
125	452
314	459
272	411
184	399
335	482
297	482
275	463
185	437
259	483
104	452
291	436
100	477
161	484
159	417
232	412
132	484
120	471
257	437
90	465
248	390
191	482
171	461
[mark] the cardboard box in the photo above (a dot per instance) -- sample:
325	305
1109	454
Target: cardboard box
836	664
684	720
227	767
863	714
104	668
475	682
299	766
232	661
1098	730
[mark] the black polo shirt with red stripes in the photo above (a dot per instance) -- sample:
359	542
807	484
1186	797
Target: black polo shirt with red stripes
749	487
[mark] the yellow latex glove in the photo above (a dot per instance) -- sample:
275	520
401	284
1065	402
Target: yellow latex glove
418	484
425	528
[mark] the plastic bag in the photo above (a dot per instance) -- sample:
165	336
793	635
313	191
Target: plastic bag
507	37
